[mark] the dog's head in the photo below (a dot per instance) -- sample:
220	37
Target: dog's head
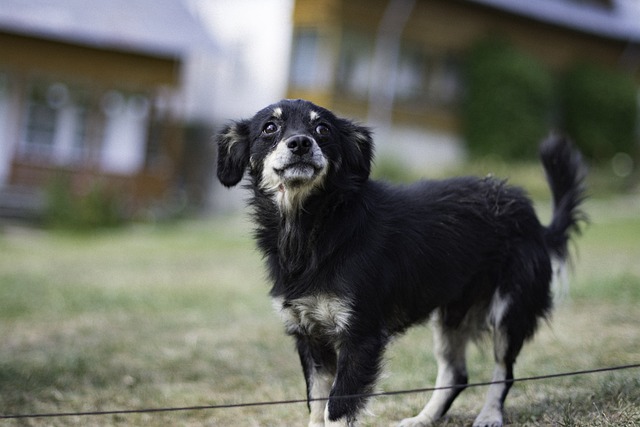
293	148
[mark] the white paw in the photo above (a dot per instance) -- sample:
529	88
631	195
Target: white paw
487	423
342	422
417	421
338	423
489	419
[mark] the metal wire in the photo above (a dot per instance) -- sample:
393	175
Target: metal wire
298	401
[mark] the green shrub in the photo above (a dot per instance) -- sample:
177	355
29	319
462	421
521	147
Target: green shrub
600	110
59	202
508	101
100	207
391	169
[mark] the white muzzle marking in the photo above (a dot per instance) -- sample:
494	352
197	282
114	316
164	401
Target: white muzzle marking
292	177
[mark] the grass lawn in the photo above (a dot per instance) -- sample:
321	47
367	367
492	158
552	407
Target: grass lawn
178	315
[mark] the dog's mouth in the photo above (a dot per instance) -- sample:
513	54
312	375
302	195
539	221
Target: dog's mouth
298	173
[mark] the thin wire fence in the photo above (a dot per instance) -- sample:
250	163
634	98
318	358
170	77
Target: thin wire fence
299	401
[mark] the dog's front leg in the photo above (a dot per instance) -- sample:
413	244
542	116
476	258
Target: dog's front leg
318	361
358	369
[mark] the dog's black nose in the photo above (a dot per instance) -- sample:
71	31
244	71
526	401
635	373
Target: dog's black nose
299	145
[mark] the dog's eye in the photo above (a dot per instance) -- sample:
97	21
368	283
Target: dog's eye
322	130
270	128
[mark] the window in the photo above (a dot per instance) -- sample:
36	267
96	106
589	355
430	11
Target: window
5	150
411	75
41	119
125	132
303	60
354	67
421	77
67	124
310	63
56	122
428	78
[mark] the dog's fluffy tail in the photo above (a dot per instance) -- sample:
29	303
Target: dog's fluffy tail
566	173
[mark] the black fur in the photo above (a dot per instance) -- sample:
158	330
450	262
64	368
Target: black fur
395	254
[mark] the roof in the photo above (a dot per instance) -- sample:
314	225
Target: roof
164	28
619	22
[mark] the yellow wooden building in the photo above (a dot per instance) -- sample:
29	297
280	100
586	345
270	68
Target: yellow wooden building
341	48
87	91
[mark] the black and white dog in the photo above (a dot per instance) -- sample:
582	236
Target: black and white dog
356	261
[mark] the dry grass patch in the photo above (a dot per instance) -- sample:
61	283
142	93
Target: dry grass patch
178	315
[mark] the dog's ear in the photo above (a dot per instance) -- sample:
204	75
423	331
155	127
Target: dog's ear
358	144
233	152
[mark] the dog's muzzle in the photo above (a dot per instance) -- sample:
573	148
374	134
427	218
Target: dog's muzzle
297	160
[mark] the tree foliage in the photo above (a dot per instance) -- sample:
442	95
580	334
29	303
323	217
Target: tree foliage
600	110
508	102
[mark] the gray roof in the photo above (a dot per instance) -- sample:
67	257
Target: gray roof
619	22
156	27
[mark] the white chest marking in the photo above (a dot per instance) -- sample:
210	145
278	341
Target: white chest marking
317	314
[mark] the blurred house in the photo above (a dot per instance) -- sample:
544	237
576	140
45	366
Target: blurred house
92	90
250	68
397	64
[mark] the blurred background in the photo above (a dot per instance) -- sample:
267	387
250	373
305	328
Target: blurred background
107	109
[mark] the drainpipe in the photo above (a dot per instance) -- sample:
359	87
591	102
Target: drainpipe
384	66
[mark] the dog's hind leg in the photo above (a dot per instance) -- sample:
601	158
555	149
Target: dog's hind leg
450	350
521	299
506	346
491	414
